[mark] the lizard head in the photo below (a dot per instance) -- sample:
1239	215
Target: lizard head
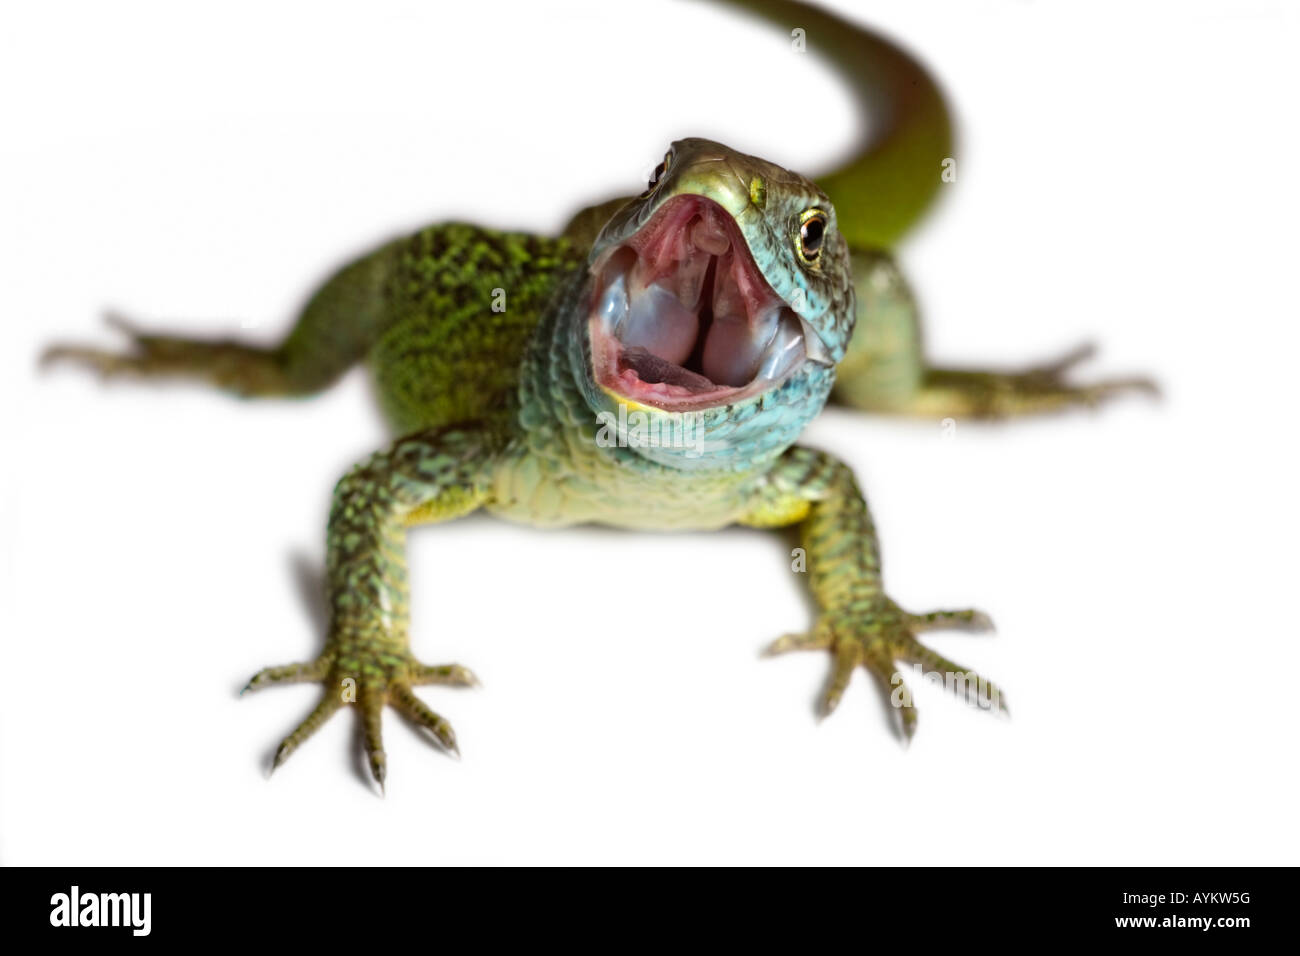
718	302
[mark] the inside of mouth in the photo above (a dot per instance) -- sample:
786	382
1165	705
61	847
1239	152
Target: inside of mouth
684	312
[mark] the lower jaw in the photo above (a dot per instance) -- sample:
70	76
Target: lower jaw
737	434
624	386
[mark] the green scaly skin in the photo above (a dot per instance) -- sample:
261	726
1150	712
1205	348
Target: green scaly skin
497	402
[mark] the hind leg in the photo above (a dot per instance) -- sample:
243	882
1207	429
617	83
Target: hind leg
334	331
885	369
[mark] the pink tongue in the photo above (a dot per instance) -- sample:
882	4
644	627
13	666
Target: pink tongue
651	369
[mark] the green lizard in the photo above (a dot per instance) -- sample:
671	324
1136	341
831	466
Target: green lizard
650	367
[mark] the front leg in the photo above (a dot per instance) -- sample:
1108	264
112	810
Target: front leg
857	622
985	394
886	369
435	475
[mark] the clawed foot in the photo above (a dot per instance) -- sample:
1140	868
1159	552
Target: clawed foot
369	683
877	635
1043	388
144	352
1048	382
242	369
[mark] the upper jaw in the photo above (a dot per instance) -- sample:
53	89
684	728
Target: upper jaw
682	319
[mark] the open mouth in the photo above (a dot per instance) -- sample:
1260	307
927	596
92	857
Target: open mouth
682	318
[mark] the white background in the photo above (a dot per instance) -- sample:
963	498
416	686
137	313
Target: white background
1126	173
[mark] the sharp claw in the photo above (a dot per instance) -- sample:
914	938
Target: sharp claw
998	699
848	656
784	643
826	706
251	685
1094	395
379	768
289	673
281	755
444	734
447	674
1144	385
1079	353
907	725
98	362
416	710
327	707
116	320
818	639
968	620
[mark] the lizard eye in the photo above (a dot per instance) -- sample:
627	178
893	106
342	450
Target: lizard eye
812	230
659	170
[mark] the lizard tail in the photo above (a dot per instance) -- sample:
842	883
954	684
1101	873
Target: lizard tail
884	189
